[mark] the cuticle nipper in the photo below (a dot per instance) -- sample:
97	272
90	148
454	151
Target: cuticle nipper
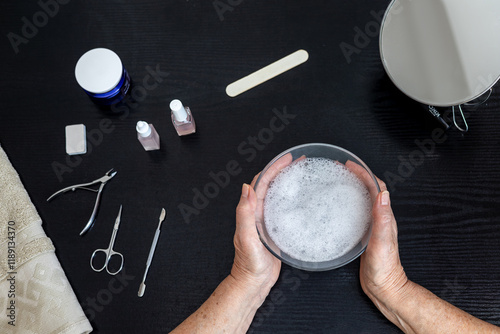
108	176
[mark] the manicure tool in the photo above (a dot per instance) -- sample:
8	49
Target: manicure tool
109	252
76	139
108	176
142	287
267	73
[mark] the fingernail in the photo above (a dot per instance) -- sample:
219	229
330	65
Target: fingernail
385	200
244	190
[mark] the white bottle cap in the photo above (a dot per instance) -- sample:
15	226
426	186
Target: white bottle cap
143	129
177	108
99	70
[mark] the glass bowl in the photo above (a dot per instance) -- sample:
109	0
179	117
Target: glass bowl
346	179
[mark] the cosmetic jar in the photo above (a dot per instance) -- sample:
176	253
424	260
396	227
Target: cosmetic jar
101	75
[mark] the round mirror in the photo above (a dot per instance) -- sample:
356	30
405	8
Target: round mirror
442	52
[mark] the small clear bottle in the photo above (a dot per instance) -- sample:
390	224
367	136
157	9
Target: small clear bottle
182	119
148	136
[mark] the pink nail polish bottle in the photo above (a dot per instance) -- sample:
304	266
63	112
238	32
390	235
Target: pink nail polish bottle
148	136
182	119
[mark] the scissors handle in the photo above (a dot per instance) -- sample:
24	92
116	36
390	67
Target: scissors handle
105	251
109	253
113	253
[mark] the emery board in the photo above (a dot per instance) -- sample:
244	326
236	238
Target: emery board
267	73
76	139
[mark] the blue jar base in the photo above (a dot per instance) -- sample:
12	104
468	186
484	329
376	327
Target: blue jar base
116	95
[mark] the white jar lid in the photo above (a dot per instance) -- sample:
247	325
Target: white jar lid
99	70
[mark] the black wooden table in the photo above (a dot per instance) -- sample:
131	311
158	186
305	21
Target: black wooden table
444	187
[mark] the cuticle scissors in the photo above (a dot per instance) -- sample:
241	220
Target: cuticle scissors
108	176
109	252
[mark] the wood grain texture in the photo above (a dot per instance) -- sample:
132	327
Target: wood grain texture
447	205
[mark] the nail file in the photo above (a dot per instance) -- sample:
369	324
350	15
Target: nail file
264	74
76	139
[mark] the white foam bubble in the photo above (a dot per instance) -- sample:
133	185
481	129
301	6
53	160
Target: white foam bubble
316	210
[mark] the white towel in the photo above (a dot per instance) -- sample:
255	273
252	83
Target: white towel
35	295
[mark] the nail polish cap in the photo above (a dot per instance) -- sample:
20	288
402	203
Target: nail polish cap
177	108
143	129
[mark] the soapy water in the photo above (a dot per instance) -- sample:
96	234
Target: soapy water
316	210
